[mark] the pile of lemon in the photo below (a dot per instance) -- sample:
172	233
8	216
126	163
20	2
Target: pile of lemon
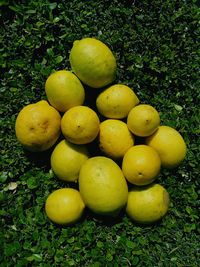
103	180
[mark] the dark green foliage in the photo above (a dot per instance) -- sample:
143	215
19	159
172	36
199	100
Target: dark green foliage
156	45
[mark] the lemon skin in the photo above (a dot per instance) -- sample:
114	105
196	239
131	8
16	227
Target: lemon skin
116	101
64	206
38	126
93	62
143	120
102	186
170	146
67	159
80	125
115	138
141	165
147	204
64	90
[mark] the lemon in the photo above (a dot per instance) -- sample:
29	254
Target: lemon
169	144
67	159
102	186
143	120
93	62
37	126
141	165
80	125
64	206
115	138
64	90
147	204
116	101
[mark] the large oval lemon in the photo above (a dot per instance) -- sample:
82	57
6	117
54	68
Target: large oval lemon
116	101
141	165
102	186
93	62
64	206
143	120
147	204
80	125
37	126
169	144
64	90
115	138
67	159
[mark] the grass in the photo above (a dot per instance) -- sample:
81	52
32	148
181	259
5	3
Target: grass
156	47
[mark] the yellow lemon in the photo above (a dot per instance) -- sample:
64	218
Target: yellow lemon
93	62
147	204
80	125
143	120
67	159
64	206
102	186
169	144
37	126
116	101
115	138
64	90
141	165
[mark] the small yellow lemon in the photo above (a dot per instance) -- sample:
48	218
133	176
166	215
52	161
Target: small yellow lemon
141	165
64	90
93	62
169	144
64	206
115	138
80	125
37	126
147	204
67	159
143	120
116	101
103	186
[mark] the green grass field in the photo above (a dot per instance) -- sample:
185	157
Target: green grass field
156	47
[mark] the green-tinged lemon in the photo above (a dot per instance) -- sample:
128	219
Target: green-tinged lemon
67	159
93	62
64	90
102	186
64	206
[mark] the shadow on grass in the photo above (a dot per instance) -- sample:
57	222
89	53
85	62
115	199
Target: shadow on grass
110	221
106	220
40	159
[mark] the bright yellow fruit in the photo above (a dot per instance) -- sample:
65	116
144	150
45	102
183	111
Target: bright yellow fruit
64	206
103	186
115	138
169	144
80	125
141	165
64	90
116	101
143	120
67	159
37	126
93	62
147	204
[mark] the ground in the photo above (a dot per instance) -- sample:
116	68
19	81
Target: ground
156	47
